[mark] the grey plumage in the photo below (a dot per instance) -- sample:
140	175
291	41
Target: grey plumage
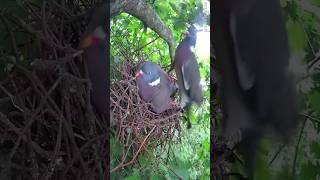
252	52
187	70
155	87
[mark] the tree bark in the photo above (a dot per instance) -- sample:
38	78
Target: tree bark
143	11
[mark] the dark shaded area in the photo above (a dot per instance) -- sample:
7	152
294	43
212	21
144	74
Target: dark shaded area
48	128
256	91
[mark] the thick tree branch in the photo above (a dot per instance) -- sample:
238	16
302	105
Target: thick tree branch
143	11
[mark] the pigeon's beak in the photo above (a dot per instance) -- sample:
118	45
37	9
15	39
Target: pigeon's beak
93	38
138	74
87	41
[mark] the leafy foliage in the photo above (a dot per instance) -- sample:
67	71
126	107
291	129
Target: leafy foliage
304	39
309	171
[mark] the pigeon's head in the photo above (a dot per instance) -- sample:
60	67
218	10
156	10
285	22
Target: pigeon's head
149	73
191	34
93	38
96	31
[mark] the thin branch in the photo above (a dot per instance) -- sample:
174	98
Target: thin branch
276	155
297	149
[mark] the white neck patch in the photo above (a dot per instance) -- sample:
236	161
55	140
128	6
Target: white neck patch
155	82
192	49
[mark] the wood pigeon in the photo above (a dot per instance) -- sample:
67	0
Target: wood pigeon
187	72
155	86
252	52
94	43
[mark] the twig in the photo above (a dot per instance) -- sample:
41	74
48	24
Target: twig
11	97
143	46
276	155
36	147
297	148
310	117
135	156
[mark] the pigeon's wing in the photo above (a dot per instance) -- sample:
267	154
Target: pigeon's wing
259	34
246	75
161	98
191	79
171	84
145	91
184	74
161	101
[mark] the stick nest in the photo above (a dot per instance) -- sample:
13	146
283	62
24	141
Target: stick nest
137	126
48	129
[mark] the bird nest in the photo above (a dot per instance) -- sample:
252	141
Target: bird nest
137	126
48	129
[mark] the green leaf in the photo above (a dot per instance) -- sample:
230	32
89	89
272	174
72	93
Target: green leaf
134	177
262	171
315	148
315	2
156	177
314	100
144	160
206	144
174	7
296	35
309	171
183	173
183	5
262	168
283	3
292	9
179	24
